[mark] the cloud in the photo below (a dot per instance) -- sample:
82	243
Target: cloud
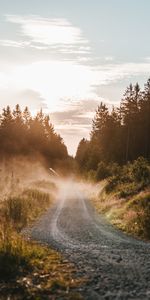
16	44
75	123
114	72
77	119
32	99
59	81
21	44
62	86
147	58
109	58
54	80
48	33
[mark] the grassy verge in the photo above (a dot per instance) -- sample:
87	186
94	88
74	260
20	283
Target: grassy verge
27	269
31	271
131	215
125	199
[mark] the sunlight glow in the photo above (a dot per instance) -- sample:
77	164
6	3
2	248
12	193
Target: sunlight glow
62	82
48	31
55	80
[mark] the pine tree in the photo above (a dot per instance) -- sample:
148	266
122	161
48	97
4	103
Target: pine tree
26	117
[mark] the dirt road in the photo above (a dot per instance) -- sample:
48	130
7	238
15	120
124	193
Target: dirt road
117	266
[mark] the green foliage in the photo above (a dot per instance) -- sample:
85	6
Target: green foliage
140	170
112	183
129	189
141	205
106	170
103	171
130	179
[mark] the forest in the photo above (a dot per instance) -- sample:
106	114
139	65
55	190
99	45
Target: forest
118	156
120	135
115	159
34	137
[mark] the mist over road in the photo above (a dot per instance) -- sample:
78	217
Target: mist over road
117	266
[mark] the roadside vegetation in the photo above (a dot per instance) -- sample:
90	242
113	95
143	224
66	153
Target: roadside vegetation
125	198
118	152
29	270
29	147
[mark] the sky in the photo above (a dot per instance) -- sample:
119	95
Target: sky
67	56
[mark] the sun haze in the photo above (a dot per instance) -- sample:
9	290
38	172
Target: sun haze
65	56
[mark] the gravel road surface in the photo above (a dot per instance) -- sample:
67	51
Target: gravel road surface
116	265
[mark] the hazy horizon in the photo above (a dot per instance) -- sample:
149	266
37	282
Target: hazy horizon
65	57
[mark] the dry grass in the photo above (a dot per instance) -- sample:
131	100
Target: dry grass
31	271
130	214
27	269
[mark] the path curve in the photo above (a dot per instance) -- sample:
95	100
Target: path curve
118	266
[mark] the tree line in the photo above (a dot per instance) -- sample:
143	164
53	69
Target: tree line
120	135
22	134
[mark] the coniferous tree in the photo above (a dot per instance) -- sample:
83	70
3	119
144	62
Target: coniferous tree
21	134
120	135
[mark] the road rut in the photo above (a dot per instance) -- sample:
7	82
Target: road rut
117	266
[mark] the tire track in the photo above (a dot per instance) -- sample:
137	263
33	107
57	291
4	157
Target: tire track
118	266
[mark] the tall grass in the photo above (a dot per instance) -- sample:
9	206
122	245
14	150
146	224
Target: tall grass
13	253
24	208
16	213
27	269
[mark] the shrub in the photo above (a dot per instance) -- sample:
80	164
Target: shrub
141	205
114	169
140	170
103	171
111	184
129	189
129	179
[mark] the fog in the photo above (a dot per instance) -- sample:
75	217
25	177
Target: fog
17	174
20	173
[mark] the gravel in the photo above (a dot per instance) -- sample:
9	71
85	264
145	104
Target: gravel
117	266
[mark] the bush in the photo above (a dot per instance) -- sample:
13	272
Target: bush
111	184
140	170
130	179
103	171
141	205
114	169
129	189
